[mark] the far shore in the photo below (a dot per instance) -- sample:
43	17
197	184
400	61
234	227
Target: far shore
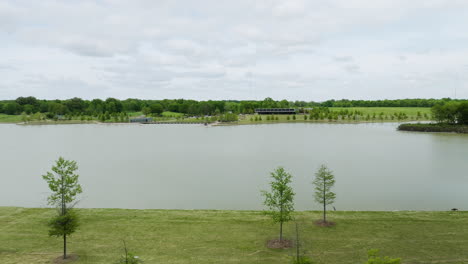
234	123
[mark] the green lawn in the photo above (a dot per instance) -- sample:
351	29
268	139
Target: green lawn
175	236
10	118
410	111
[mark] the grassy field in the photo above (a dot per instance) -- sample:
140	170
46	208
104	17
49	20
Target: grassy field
410	111
10	118
175	236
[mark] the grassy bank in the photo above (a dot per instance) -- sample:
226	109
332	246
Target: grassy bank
175	236
434	128
10	118
335	114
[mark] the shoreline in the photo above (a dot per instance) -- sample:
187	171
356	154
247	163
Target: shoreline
234	123
433	128
239	210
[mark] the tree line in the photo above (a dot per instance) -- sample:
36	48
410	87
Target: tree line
111	106
453	112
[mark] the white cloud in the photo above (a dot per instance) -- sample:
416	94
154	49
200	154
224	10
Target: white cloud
296	49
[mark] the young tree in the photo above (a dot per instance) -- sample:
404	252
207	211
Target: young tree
63	182
280	199
323	182
129	257
300	257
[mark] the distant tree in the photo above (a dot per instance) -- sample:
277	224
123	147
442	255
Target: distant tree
288	118
463	113
76	105
323	182
294	117
156	109
280	199
63	182
146	110
11	108
30	100
28	109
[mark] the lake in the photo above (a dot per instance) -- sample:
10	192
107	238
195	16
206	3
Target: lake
225	167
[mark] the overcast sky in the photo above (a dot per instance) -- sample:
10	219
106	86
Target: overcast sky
290	49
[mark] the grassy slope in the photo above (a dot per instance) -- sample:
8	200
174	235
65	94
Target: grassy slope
174	236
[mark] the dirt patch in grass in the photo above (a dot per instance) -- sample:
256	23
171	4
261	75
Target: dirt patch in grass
70	258
324	223
276	243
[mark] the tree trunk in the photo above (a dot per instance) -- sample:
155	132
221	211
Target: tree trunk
64	246
281	231
324	204
324	213
297	243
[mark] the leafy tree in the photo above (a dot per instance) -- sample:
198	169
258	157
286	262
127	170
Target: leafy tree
30	100
63	182
463	113
280	199
323	182
12	108
373	258
146	110
156	109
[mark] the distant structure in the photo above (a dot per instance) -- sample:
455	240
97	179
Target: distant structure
275	111
141	120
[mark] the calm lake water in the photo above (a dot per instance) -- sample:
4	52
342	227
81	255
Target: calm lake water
197	167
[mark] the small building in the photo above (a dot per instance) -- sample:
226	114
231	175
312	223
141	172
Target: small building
275	111
141	120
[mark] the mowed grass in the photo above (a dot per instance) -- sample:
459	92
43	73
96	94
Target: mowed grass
10	118
410	111
202	236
